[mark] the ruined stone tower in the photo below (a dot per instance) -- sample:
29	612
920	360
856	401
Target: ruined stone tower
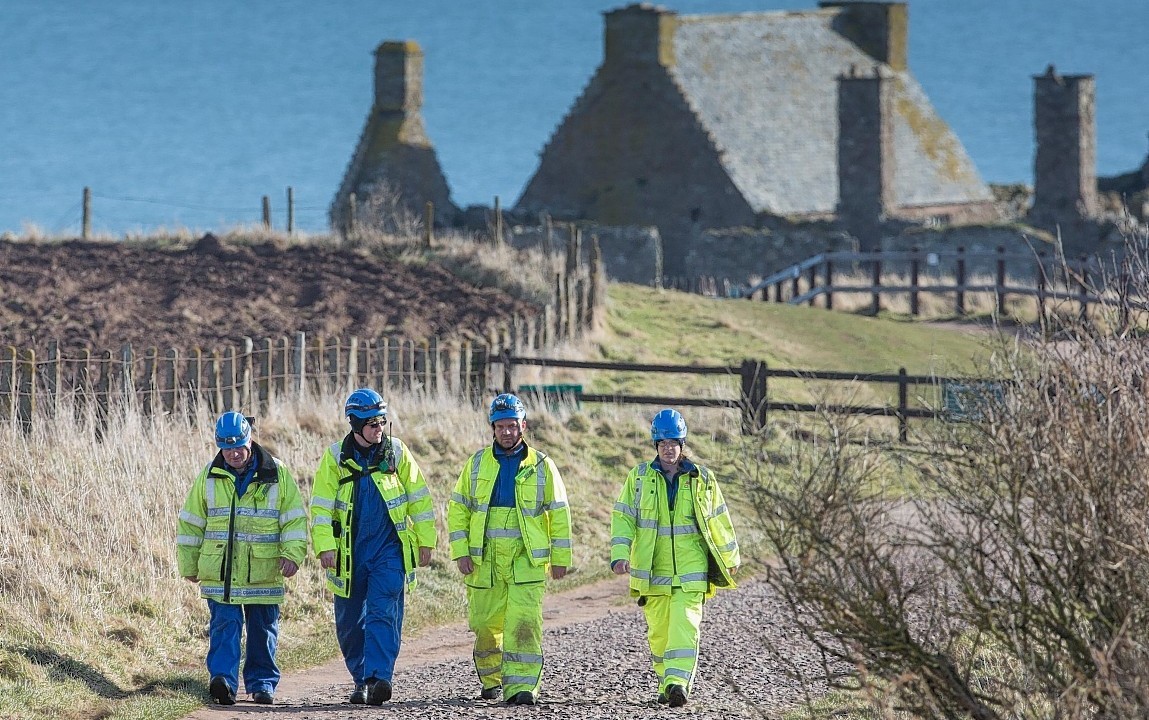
394	170
1065	164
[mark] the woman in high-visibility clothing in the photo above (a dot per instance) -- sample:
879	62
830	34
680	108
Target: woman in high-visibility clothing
671	532
509	520
242	530
373	521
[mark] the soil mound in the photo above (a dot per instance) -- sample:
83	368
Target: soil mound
101	295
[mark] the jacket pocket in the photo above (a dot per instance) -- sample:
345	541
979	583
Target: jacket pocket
210	566
263	564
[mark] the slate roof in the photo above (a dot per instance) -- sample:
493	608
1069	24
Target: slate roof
764	85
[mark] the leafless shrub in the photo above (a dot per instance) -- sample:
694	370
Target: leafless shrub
1013	584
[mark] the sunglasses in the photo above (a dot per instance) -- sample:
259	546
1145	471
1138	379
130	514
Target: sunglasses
374	422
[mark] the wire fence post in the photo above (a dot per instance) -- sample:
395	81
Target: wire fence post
290	210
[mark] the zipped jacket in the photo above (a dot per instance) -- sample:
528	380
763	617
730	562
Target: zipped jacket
540	501
398	479
662	545
233	544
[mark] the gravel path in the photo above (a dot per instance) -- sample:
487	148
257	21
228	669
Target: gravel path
597	667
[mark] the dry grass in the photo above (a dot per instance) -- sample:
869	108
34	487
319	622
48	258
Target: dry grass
95	618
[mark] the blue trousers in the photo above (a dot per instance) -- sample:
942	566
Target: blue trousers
260	673
369	623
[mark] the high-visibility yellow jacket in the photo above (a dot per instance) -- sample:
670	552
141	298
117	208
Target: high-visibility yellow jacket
233	544
693	547
540	499
400	482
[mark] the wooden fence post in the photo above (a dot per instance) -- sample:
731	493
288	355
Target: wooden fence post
10	381
429	224
999	282
86	214
903	404
148	384
266	212
128	391
169	396
498	238
53	380
1041	280
753	400
915	300
876	281
300	367
290	210
27	391
829	283
245	376
959	276
1083	281
104	393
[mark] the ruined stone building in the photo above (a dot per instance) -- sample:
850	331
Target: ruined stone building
720	144
753	119
394	163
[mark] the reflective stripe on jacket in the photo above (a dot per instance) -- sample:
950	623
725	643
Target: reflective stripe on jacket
400	482
643	527
233	544
540	499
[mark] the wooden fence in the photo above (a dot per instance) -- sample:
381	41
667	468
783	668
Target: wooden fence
753	402
1083	281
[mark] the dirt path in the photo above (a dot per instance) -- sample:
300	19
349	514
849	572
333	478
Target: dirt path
597	666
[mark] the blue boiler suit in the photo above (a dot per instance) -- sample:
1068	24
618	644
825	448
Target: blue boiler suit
369	622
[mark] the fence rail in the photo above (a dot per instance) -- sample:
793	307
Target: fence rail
753	401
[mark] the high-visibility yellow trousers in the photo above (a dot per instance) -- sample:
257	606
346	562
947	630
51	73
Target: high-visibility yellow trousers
505	609
672	629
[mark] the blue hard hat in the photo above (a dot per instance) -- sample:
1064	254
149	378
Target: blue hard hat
364	404
507	406
668	425
232	430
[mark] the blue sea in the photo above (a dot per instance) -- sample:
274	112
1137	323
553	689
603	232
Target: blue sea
186	114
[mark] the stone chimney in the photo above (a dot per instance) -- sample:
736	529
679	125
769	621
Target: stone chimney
393	171
399	76
640	34
1065	162
880	29
865	154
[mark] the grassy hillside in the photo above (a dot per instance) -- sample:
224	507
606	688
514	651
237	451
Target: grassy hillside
94	621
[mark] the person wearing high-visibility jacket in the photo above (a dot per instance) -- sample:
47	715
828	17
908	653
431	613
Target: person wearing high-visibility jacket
508	520
373	522
242	530
671	532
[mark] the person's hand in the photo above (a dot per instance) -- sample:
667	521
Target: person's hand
287	567
622	567
734	570
424	556
558	571
466	565
327	559
192	578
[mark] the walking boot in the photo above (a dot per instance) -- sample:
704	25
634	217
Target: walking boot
378	692
676	695
359	695
220	691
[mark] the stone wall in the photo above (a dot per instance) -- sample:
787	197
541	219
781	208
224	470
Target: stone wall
631	253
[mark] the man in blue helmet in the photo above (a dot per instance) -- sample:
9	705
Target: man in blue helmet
242	530
671	532
373	522
508	519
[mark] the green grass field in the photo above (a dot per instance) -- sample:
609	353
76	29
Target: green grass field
95	623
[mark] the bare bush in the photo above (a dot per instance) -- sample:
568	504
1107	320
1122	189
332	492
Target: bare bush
1013	583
